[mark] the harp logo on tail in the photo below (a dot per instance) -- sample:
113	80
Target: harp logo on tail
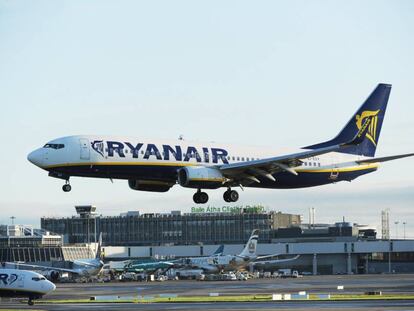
372	130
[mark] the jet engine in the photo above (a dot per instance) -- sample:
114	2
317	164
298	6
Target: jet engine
200	177
51	275
148	185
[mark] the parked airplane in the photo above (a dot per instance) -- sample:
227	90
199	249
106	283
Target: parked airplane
151	165
22	283
79	268
219	263
153	266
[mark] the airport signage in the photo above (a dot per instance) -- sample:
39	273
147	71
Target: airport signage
228	209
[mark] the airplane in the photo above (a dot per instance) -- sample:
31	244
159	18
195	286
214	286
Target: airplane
156	165
219	263
79	268
153	266
22	283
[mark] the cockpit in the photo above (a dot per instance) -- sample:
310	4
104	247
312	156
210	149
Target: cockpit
54	146
37	279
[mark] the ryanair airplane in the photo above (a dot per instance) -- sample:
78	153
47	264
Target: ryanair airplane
154	165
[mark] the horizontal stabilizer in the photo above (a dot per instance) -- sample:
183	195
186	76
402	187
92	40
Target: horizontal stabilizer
385	159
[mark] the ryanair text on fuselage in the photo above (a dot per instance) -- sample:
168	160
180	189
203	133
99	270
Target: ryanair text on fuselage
163	152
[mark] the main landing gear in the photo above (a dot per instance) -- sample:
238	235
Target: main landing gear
66	187
200	197
230	196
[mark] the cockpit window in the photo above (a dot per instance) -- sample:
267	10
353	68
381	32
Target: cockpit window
54	146
37	279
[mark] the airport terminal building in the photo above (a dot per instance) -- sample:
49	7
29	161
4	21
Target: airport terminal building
223	225
23	243
340	248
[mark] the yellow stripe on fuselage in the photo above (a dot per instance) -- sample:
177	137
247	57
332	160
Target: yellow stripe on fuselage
122	164
339	169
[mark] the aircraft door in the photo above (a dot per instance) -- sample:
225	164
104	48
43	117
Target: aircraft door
20	281
84	149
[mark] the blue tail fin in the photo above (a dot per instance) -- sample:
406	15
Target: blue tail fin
374	107
219	250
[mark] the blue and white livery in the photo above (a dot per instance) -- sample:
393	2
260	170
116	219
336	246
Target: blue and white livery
22	283
155	165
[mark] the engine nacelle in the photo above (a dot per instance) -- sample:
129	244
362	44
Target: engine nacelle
148	185
200	177
51	275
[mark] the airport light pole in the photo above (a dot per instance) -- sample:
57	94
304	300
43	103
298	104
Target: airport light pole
404	223
12	219
396	229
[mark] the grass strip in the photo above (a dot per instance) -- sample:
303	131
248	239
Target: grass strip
244	298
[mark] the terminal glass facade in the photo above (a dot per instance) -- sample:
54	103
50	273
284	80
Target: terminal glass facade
165	229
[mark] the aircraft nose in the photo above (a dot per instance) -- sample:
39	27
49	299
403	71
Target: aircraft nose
36	157
52	287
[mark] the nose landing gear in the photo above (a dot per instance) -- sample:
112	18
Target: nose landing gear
200	197
66	187
231	196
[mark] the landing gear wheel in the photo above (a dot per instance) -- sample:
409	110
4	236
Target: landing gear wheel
66	188
226	196
30	302
234	196
203	197
200	197
230	196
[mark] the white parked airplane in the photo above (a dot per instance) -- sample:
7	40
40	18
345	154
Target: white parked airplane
79	268
154	165
22	283
219	263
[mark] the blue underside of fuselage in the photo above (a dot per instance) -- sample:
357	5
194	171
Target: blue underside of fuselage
161	173
10	292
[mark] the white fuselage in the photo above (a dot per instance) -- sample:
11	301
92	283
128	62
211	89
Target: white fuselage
23	283
156	160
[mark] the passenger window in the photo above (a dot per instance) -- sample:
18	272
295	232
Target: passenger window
305	164
238	158
247	159
233	158
319	164
142	151
242	158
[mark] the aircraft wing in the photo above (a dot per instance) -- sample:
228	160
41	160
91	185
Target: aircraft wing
249	171
267	256
38	267
273	261
384	159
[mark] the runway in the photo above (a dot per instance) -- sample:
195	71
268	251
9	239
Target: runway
294	305
353	284
313	284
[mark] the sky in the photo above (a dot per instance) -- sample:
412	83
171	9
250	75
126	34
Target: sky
266	73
